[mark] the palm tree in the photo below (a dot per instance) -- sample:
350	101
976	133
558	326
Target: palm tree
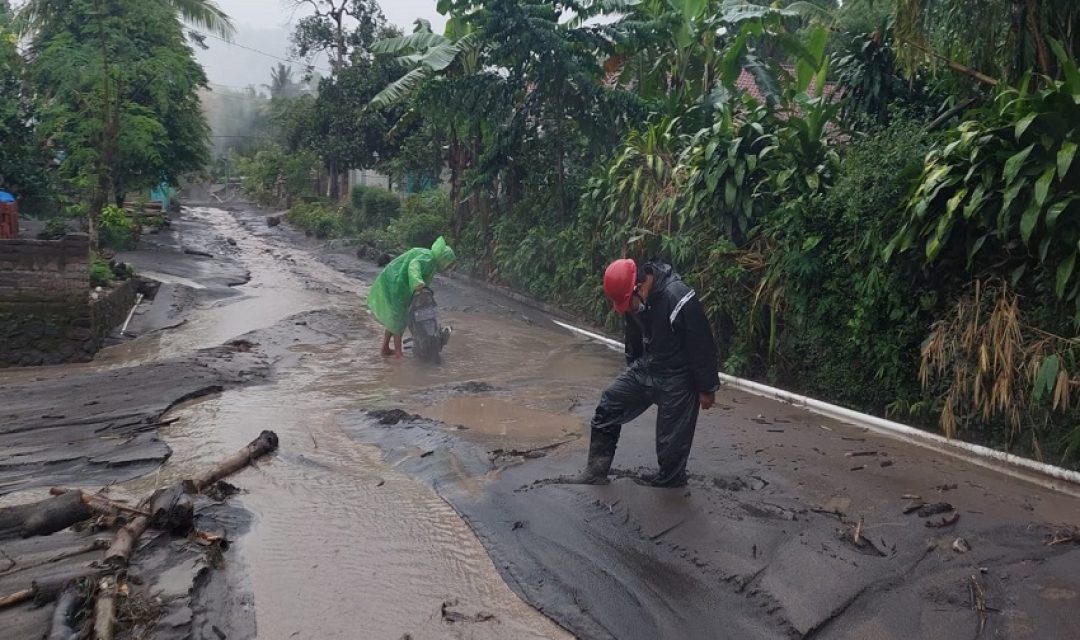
205	14
281	82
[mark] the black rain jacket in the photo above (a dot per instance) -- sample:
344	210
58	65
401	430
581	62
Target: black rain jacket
671	335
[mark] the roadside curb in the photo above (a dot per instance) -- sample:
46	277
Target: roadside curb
1045	475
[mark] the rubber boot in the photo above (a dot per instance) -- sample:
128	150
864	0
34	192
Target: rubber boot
601	454
654	479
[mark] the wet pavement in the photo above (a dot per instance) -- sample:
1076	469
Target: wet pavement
447	524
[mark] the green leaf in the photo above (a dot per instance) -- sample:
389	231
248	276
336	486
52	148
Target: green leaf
1024	123
1046	378
811	242
1042	185
420	41
1053	212
1013	164
941	236
978	197
954	202
689	9
1064	272
730	192
1065	157
1029	220
1056	209
1010	195
1068	66
1017	273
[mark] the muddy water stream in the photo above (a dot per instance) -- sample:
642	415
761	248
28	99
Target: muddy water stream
343	546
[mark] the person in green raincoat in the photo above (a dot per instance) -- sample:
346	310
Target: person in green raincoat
392	292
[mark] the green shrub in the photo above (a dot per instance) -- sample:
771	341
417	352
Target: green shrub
322	220
55	229
373	207
274	175
115	229
100	273
837	302
425	218
381	239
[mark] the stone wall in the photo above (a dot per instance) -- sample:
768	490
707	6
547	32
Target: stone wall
47	315
109	310
53	272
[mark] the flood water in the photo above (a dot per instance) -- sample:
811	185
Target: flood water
342	542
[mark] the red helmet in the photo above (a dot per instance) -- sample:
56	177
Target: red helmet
619	279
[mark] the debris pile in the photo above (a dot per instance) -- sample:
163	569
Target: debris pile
93	593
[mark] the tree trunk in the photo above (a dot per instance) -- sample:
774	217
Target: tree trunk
455	181
45	517
119	552
332	188
1034	27
105	609
267	442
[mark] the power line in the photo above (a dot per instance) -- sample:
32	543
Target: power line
258	51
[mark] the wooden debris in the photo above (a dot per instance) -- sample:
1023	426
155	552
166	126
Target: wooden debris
859	454
66	606
45	517
119	552
859	468
978	601
913	507
1066	536
105	609
858	531
928	510
206	539
267	442
99	503
946	521
19	597
911	496
172	510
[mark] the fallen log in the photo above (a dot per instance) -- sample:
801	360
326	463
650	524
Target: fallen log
172	510
19	597
52	515
267	442
105	609
45	591
119	552
66	605
100	503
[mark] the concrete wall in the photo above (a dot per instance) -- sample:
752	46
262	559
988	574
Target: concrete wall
47	315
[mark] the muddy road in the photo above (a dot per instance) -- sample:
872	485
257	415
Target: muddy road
416	501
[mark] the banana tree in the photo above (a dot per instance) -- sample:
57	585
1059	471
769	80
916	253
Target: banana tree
451	58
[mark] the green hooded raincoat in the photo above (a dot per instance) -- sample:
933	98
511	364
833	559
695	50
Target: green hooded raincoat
392	291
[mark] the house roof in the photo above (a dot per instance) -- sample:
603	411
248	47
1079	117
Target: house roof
748	84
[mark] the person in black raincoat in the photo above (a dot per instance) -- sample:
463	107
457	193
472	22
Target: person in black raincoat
671	355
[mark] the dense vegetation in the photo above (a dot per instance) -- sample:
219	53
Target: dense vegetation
876	200
888	218
100	100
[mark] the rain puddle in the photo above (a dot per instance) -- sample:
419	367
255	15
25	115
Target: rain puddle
500	417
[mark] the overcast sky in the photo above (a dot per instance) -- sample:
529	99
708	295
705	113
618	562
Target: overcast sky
264	25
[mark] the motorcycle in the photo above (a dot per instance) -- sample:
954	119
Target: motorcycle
427	336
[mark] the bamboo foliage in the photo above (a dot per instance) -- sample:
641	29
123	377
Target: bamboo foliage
997	366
